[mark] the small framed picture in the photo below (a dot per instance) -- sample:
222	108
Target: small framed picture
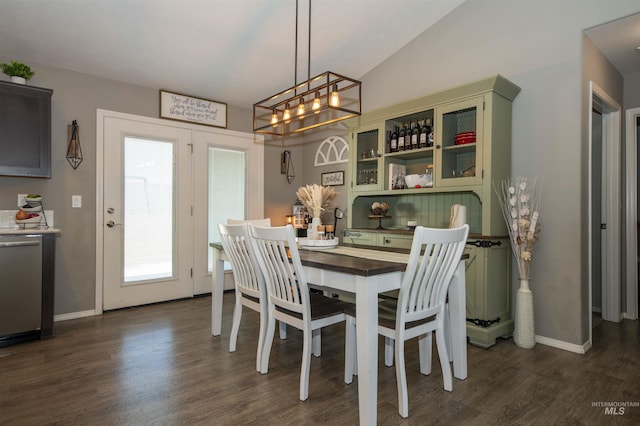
333	178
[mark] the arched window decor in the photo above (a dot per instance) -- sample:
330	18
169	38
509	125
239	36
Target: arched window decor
333	150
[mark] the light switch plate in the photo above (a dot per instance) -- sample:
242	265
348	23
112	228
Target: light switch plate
21	201
76	201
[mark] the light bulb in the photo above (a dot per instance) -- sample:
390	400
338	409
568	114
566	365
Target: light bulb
274	118
334	98
286	115
301	107
316	103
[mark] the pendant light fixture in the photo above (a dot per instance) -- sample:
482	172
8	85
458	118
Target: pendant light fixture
332	97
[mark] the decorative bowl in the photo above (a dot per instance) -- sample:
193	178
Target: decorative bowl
30	223
31	208
415	181
465	138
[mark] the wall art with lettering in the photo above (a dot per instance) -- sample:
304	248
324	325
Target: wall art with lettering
176	106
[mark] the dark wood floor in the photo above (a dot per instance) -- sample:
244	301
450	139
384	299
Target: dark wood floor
159	365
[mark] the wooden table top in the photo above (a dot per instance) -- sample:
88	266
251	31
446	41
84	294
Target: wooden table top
337	262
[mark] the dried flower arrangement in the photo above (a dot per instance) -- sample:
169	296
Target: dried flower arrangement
316	198
520	201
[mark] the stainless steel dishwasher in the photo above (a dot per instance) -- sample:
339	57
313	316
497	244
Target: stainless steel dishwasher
20	288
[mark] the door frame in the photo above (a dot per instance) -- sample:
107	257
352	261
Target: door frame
611	142
253	144
631	213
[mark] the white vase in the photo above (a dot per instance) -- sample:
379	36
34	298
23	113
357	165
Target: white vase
312	232
524	329
18	80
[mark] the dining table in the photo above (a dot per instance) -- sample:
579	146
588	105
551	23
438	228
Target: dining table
365	272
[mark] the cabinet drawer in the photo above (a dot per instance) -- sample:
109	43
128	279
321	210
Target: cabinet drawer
397	241
361	237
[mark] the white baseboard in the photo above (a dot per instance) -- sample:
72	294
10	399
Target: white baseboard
571	347
74	315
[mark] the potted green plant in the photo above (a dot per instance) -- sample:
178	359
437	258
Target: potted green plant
18	72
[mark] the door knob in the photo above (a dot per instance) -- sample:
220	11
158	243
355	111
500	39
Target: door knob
111	224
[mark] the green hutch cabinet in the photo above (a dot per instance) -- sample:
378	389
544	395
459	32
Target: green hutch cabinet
463	170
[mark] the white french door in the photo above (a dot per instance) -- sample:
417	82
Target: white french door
162	186
147	218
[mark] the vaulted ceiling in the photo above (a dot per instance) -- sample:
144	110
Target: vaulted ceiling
232	51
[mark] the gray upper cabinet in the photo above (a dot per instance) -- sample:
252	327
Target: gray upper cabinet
25	130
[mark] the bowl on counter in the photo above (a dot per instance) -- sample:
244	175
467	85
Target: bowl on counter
31	208
415	181
30	223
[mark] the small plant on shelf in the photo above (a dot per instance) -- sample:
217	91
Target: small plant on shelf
17	69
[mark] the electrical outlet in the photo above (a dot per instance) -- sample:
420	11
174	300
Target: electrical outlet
21	201
76	201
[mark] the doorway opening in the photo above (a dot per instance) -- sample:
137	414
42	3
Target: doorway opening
604	201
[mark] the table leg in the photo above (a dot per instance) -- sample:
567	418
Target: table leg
367	350
457	310
217	290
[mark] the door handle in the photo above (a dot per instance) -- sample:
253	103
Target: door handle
111	224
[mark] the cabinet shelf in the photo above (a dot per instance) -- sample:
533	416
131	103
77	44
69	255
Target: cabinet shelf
368	160
411	154
469	147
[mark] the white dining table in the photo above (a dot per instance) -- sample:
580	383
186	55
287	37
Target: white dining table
360	271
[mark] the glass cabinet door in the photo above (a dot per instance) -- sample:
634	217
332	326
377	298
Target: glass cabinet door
366	157
459	142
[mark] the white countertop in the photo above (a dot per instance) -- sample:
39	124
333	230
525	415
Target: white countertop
17	231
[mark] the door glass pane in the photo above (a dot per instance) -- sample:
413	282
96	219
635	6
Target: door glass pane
226	190
149	210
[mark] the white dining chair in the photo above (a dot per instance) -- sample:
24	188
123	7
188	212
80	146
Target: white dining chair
420	308
289	297
282	330
248	279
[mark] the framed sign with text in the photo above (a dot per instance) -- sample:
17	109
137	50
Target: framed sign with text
332	178
176	106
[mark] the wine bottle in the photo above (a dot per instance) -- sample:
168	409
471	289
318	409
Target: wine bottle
431	135
415	136
424	134
394	140
401	138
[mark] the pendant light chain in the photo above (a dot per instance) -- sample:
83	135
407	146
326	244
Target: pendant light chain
317	101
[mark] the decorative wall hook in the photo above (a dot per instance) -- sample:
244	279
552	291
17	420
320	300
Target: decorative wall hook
74	151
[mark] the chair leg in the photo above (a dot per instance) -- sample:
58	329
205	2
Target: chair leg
444	360
401	378
261	339
425	350
306	365
266	348
350	361
447	331
237	316
282	330
388	351
317	342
